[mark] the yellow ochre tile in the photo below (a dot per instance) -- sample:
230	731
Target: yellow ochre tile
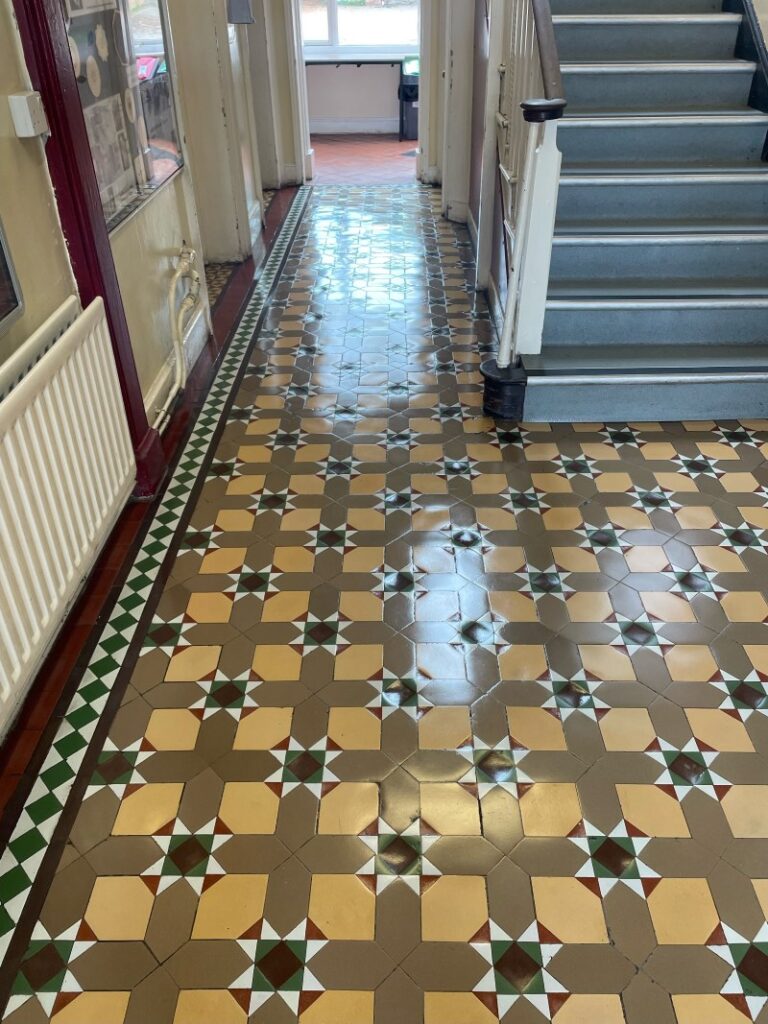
354	728
119	908
220	1005
444	728
348	808
535	729
230	907
550	809
569	910
342	907
682	911
453	908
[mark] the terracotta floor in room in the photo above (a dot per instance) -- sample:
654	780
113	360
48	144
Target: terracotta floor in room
428	720
364	160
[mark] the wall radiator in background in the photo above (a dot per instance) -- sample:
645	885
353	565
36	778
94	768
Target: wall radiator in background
66	471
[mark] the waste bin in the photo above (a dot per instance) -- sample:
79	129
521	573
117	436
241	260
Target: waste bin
408	94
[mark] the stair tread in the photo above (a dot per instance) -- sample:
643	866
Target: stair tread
713	237
733	65
635	227
576	112
715	17
751	176
564	360
746	116
641	289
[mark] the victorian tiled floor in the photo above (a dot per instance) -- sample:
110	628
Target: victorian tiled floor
434	721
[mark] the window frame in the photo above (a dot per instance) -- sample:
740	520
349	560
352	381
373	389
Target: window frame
333	50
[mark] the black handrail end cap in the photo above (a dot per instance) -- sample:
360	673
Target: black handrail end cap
537	111
504	391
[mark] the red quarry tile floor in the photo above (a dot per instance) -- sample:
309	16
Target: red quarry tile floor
364	160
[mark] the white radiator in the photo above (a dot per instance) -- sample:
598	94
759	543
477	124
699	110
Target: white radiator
66	470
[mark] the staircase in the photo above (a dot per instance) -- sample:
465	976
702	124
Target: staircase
658	297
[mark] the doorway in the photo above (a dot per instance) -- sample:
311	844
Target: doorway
362	65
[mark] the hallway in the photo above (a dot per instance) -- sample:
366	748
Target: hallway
413	718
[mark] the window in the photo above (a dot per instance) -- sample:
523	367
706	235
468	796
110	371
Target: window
120	58
339	27
10	296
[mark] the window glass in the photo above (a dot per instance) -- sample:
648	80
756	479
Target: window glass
314	21
10	299
378	22
120	57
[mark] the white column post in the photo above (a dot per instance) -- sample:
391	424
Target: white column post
535	260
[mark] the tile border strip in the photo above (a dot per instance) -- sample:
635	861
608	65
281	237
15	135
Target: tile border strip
23	855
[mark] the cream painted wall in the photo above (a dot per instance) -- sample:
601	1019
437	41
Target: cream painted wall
352	98
27	204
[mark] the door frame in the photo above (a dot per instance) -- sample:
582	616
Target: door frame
49	62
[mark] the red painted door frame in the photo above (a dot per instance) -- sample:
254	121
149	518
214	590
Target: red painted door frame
46	49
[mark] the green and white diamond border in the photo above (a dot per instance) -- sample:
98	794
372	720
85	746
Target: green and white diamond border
23	855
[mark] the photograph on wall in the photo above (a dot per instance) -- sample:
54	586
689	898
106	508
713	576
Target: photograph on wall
111	153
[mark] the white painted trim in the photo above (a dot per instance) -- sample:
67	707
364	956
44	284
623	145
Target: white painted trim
350	125
253	138
431	88
299	102
460	47
272	98
331	55
196	333
489	174
495	306
472	226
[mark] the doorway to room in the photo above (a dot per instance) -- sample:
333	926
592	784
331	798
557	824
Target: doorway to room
362	70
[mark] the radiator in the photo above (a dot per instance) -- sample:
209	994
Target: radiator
66	470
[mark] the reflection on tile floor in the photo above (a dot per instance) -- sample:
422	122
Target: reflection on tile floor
435	721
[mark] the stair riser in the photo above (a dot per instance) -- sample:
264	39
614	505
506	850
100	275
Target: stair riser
659	91
636	6
596	207
652	41
660	145
665	326
620	403
659	268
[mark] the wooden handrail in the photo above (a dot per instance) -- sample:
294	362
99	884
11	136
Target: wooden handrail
552	105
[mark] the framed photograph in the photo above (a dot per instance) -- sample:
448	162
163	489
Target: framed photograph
11	304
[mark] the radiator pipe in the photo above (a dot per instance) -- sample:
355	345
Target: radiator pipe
186	270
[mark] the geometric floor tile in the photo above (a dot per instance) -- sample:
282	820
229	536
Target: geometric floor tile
403	714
